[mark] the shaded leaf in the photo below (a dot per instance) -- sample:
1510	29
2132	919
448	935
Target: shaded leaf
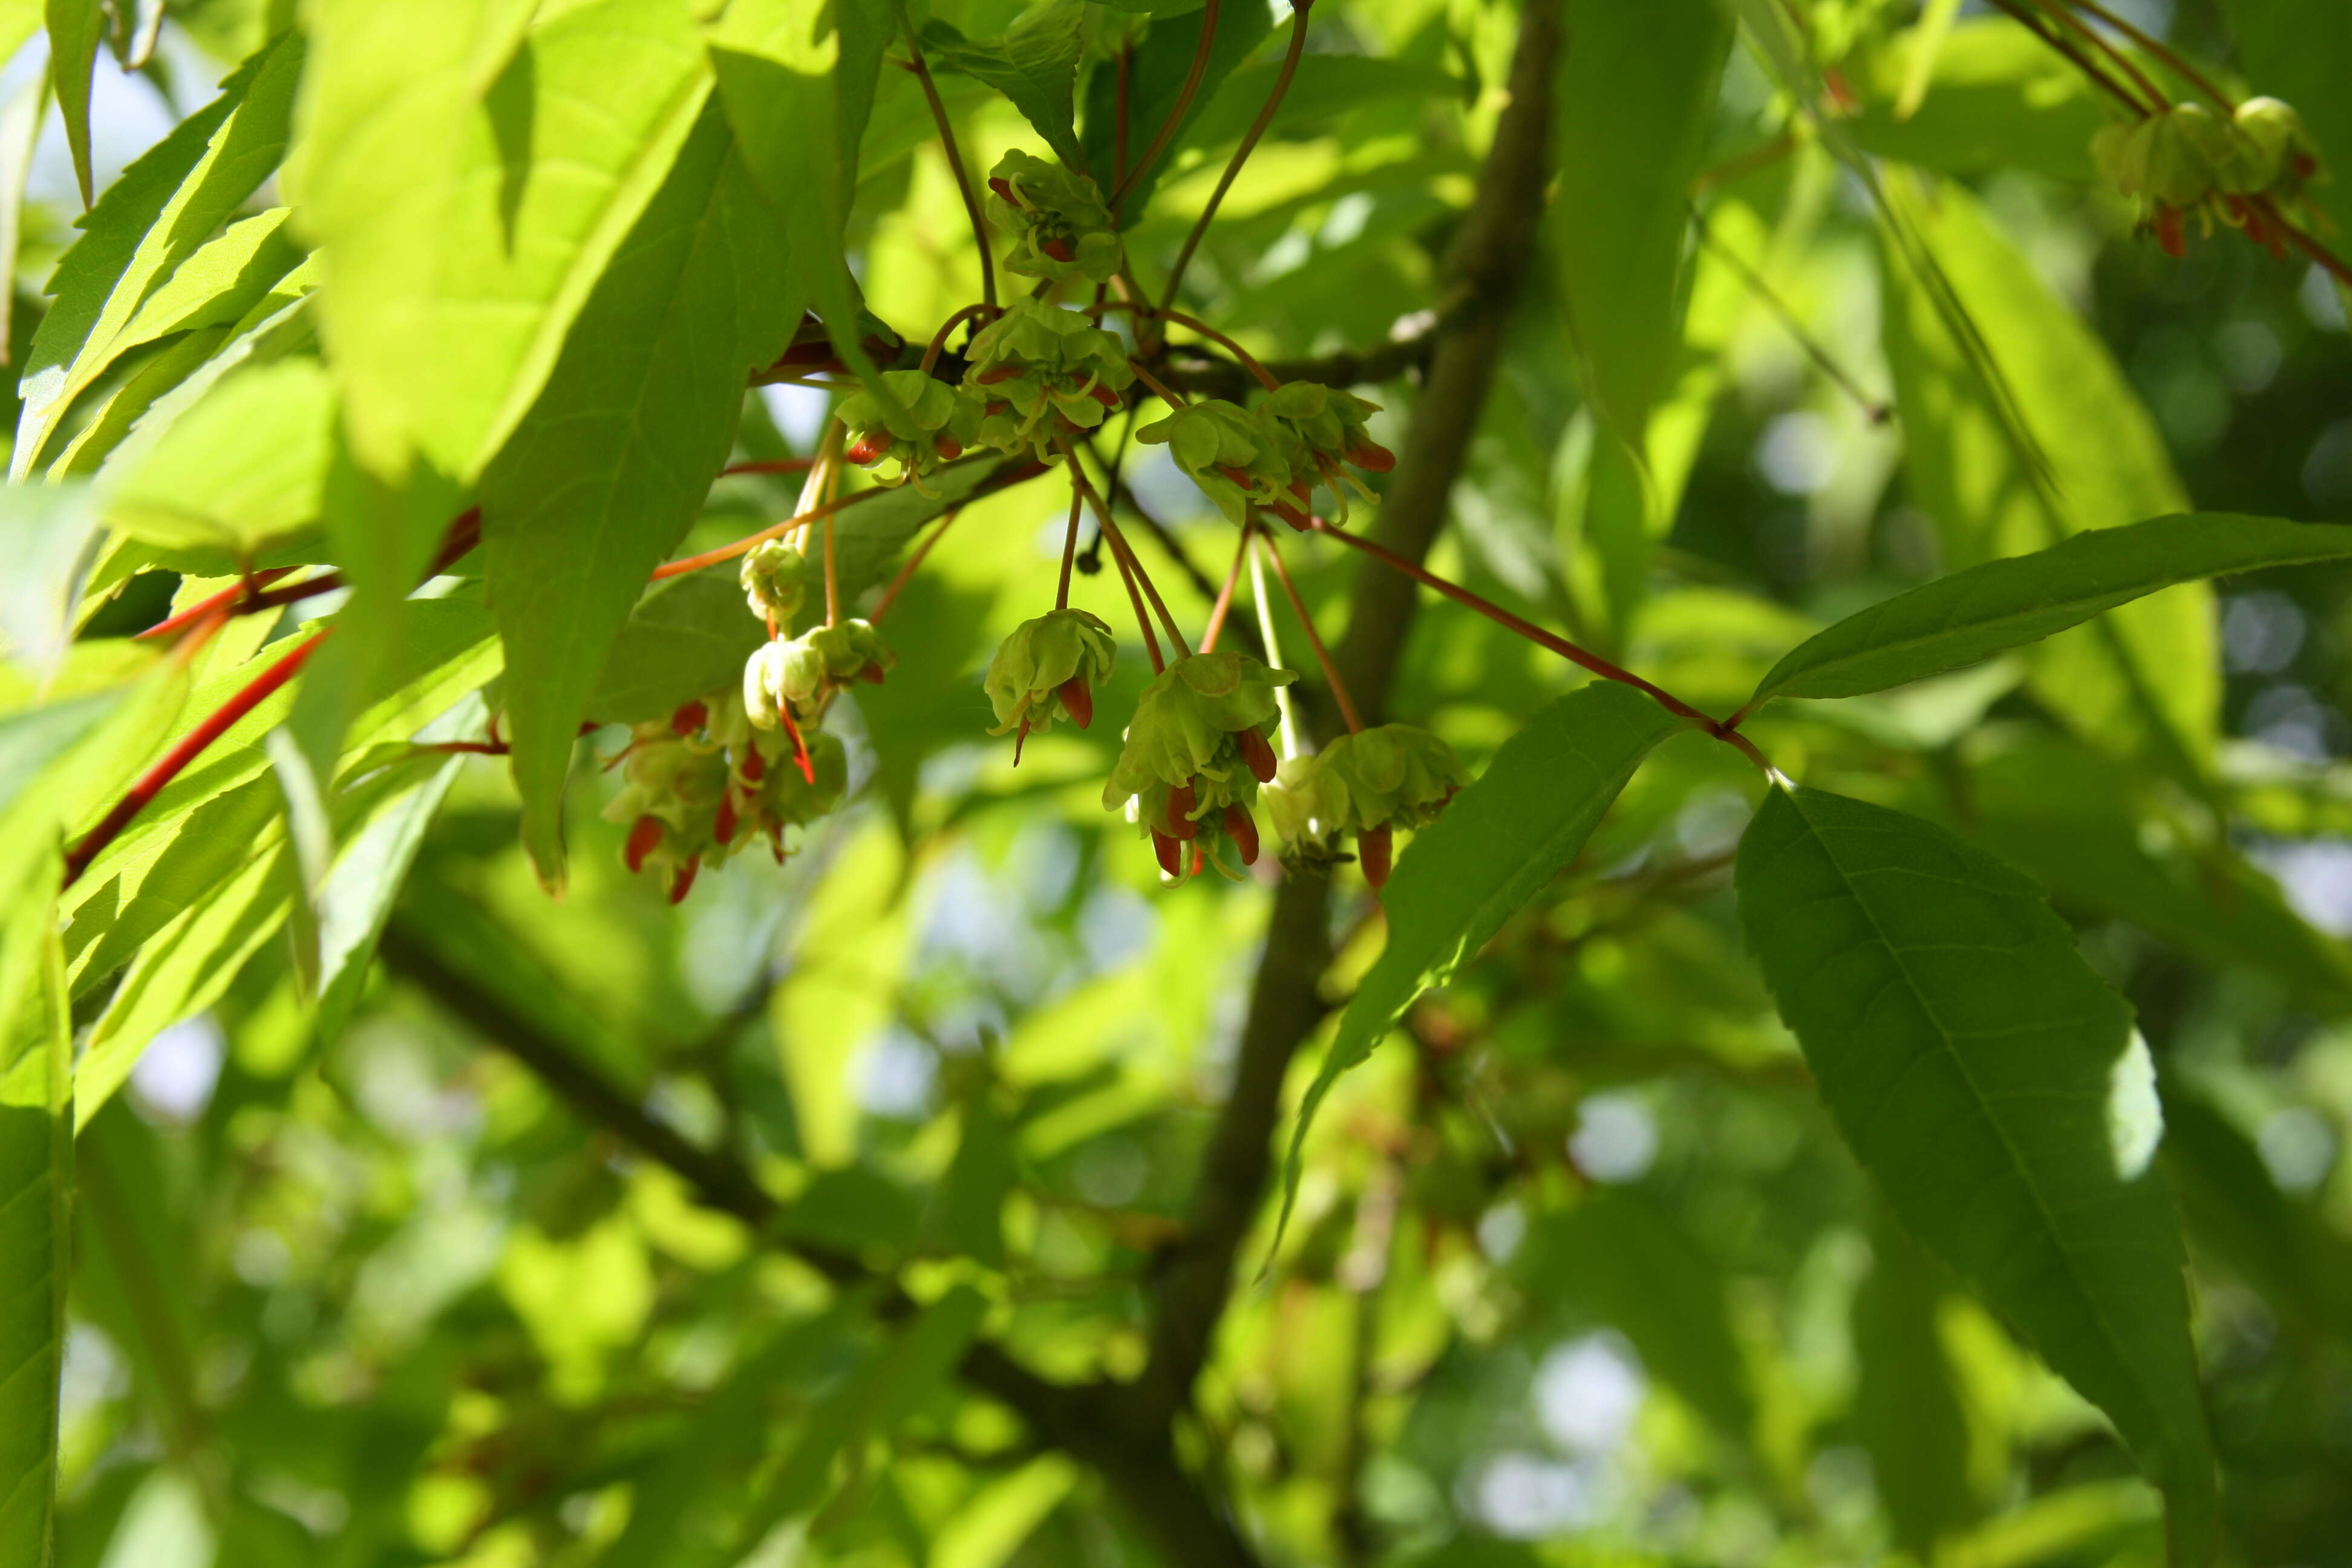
48	532
1499	842
608	472
2005	604
2144	681
1907	1407
1034	64
36	1228
2300	50
1998	97
1635	88
685	640
1155	84
1994	1087
77	29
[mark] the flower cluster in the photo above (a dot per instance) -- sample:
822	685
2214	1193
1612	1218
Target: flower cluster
932	425
1048	670
1059	224
2189	159
776	578
705	783
1195	755
789	681
1271	455
1367	785
1041	374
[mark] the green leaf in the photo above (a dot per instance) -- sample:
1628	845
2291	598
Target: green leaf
1034	64
1997	98
2239	1218
1323	86
245	468
76	27
46	532
360	891
2006	604
225	279
686	640
1993	1086
1634	1266
469	184
797	77
1499	842
35	1229
2144	680
1155	83
20	133
160	212
1635	92
965	1216
1907	1407
988	1529
608	472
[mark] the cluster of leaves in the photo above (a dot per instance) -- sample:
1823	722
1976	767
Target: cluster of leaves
1680	1136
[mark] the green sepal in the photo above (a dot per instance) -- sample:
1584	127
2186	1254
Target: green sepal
1034	376
1391	775
1212	441
775	579
1025	678
1186	721
1051	204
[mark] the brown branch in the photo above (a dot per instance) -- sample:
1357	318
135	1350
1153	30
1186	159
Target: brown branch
1092	1422
1194	1278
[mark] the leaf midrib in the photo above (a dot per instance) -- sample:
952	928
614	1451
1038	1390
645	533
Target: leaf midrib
1983	1107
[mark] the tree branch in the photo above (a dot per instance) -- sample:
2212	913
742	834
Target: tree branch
1090	1422
1486	265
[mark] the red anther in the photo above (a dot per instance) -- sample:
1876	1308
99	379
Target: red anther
1239	476
688	719
1373	849
644	840
1298	517
868	451
2168	233
799	747
723	828
1182	803
1004	187
1257	755
1104	396
871	674
1170	860
948	447
2304	165
1077	701
755	766
1372	457
1200	859
1059	248
683	883
1242	828
1001	372
999	406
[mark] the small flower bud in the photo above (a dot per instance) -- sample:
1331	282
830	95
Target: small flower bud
1059	224
1030	679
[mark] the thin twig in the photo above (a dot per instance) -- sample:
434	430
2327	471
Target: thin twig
2158	98
1249	360
1119	547
224	602
2171	58
2030	21
1264	603
940	338
1175	114
955	162
751	542
890	595
1159	390
1314	638
1877	411
1069	548
1568	650
1226	598
1249	144
1142	616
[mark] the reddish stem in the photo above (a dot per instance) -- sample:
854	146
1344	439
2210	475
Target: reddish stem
770	466
1176	114
1226	598
890	595
1249	144
1249	360
224	603
1503	619
1069	548
1142	616
955	162
190	746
